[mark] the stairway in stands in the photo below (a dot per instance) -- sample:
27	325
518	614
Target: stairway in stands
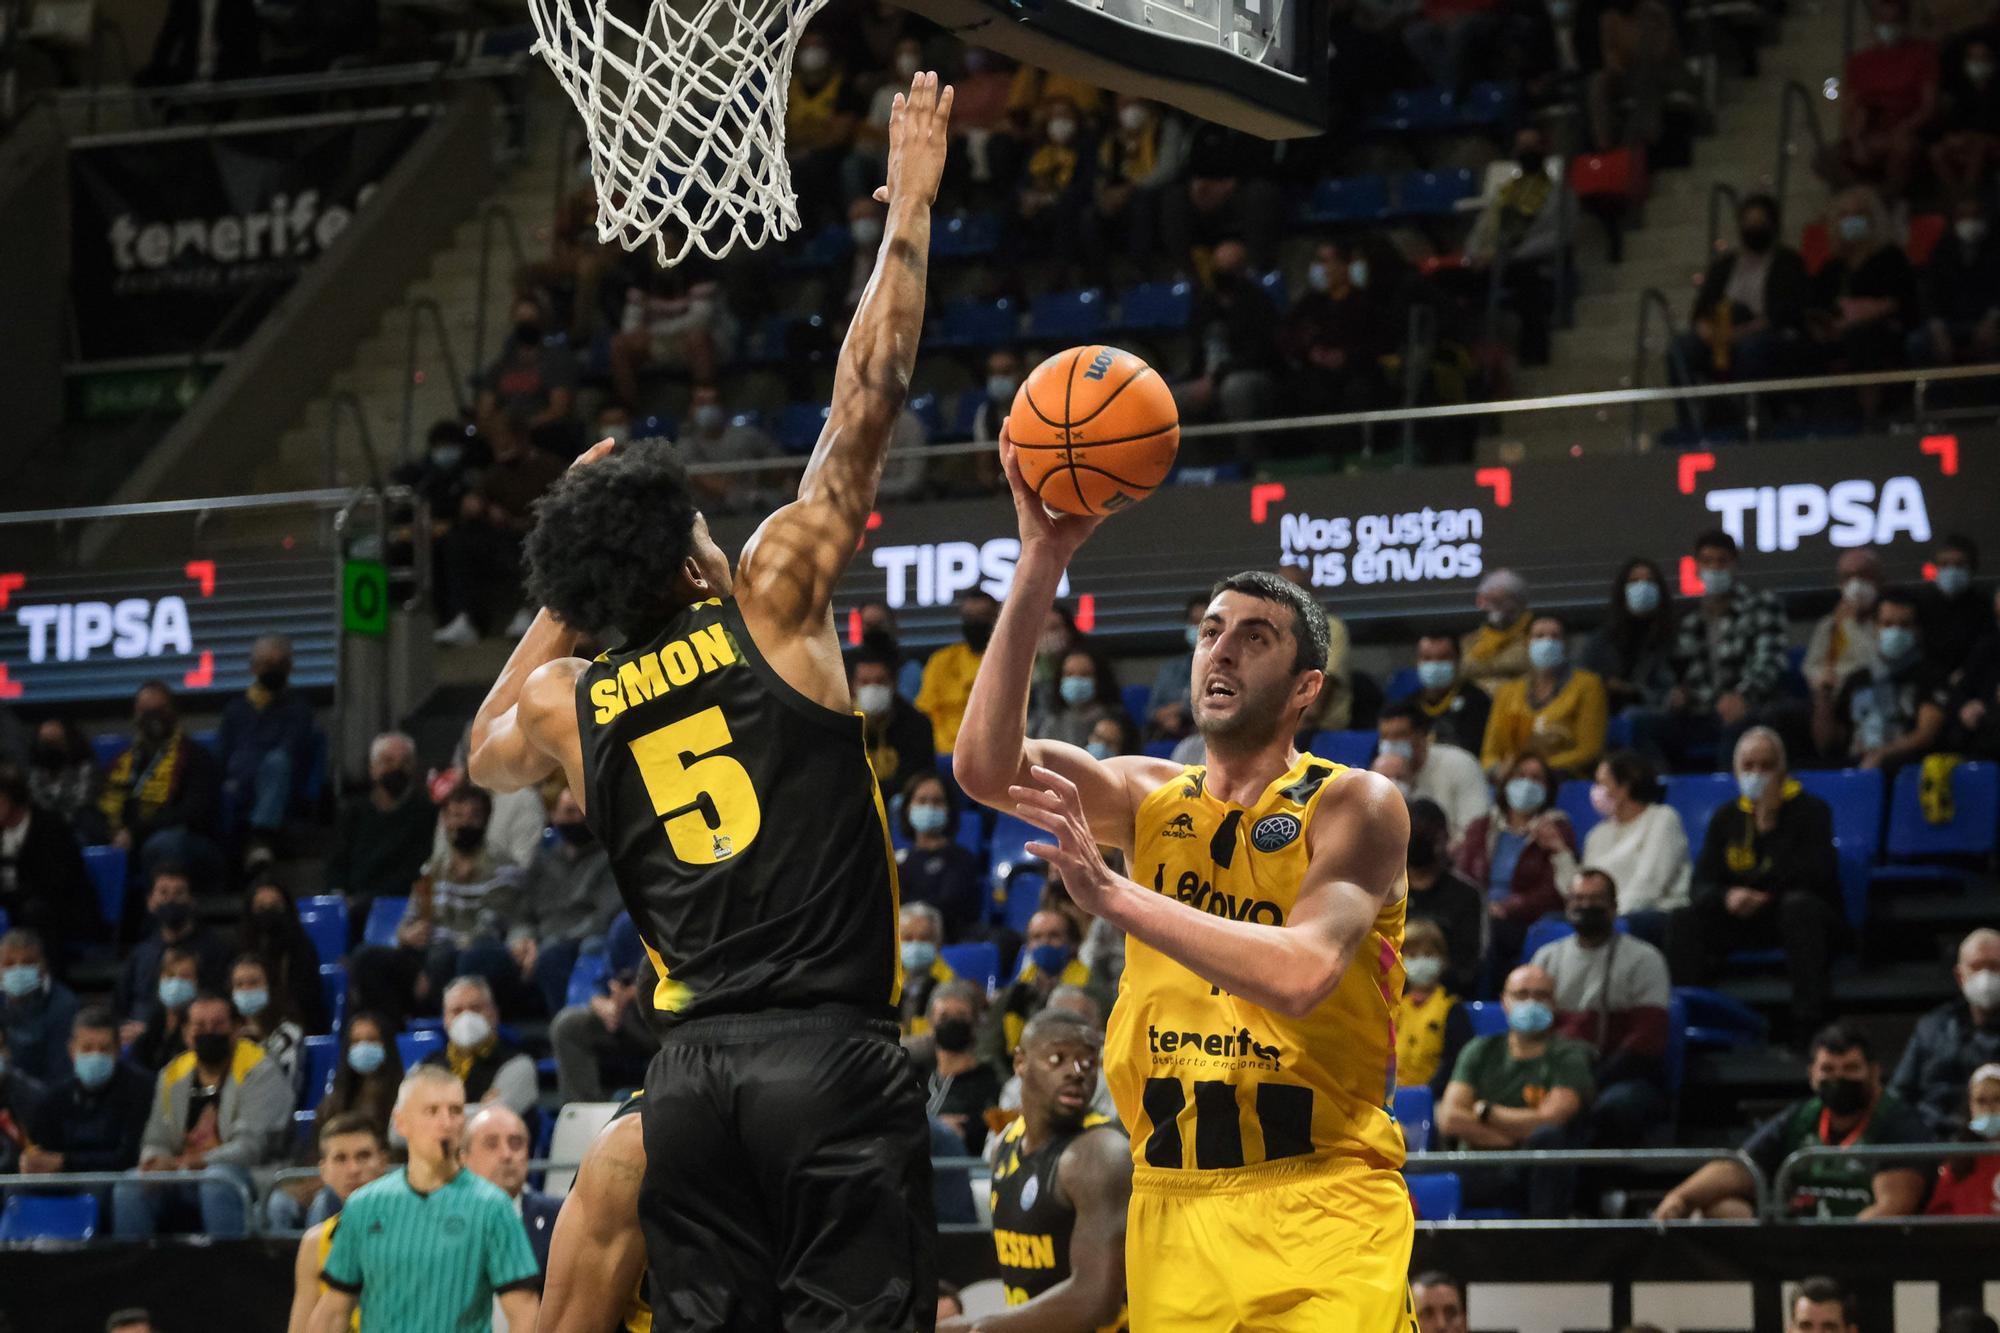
381	368
1667	248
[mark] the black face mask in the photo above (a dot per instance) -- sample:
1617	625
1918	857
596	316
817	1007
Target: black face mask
1759	239
212	1048
469	837
1423	855
51	757
1842	1096
274	679
156	725
576	835
269	920
953	1034
1530	163
173	915
394	783
978	633
527	334
1592	923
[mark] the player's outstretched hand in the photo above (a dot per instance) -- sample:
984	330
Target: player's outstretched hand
1055	806
919	130
1061	533
595	452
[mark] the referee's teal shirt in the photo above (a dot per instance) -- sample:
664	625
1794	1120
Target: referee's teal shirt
430	1262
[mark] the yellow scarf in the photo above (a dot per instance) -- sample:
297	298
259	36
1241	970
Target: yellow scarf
461	1061
1052	167
155	785
1130	164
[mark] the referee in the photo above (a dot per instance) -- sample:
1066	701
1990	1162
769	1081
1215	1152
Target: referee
430	1245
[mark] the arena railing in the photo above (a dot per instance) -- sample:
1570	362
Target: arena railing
1888	1153
82	108
1635	1159
1794	94
79	1182
1917	380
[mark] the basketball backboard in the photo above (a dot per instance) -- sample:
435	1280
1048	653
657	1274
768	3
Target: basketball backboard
1256	65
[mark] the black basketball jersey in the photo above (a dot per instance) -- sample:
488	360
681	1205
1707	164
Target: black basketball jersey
1032	1220
745	828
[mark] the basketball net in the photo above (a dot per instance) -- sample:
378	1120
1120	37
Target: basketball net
685	115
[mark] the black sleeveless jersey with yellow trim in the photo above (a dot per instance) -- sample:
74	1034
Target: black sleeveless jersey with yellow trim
1032	1217
744	825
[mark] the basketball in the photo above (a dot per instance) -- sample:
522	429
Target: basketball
1095	429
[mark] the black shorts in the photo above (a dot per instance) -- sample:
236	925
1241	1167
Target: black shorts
788	1178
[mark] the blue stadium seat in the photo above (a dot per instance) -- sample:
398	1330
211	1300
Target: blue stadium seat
1488	1017
1009	833
302	1128
1413	1110
767	343
1435	1195
6	922
1714	1019
1156	306
322	1061
417	1045
965	413
205	739
1347	199
1618	733
384	915
1975	798
1353	748
107	872
1674	1061
1856	796
324	919
1160	749
974	323
1019	897
1434	193
1417	109
333	985
1273	284
978	961
799	426
1490	104
1402	685
966	236
825	248
107	747
1573	799
49	1217
1694	797
1135	698
972	830
1075	316
589	973
925	406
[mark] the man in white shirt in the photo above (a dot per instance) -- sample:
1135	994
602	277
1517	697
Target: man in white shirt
1425	768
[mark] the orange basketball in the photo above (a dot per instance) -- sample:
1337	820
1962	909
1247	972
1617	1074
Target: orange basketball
1095	430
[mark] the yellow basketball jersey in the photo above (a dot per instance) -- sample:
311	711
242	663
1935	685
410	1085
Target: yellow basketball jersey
1205	1081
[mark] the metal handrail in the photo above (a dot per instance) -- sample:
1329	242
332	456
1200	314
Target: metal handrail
413	73
348	399
1883	1152
1718	193
59	1181
418	308
1793	93
1446	411
491	214
1649	300
329	498
1423	1163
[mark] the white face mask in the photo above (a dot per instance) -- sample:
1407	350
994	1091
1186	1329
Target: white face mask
874	700
1970	230
906	67
1319	277
866	231
1860	593
469	1029
814	59
1888	33
1982	990
1061	130
1132	117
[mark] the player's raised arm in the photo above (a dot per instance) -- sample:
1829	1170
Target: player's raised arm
787	573
1358	839
993	752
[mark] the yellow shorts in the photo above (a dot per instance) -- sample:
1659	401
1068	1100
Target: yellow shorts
1285	1247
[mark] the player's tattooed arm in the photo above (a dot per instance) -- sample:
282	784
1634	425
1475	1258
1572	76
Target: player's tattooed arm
1358	839
789	568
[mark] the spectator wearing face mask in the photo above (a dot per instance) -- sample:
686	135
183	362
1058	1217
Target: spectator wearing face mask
1521	232
1520	855
1048	959
1140	159
1958	294
455	921
170	902
898	737
271	931
1632	652
1891	711
568	900
1843	640
1848	1106
63	776
1426	768
221	1108
479	559
1439	894
878	626
1054	190
1528	1089
36	1010
1611	994
1336	334
867	166
1638	842
95	1111
530	391
1236	362
163	797
1954	1039
1968	121
492	1068
1456	708
367	1076
1729	658
268	1020
936	869
711	435
1750	312
155	1039
1970	1186
822	114
381	836
1086	694
1556	710
1951	616
1497	651
1431	1024
1864	300
948	675
265	743
1887	95
1003	381
920	931
1767	876
960	1087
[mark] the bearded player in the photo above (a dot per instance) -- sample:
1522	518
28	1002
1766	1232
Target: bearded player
722	766
1250	1052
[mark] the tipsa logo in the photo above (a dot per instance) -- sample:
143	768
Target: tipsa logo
1849	513
936	574
134	627
1237	1045
1180	826
1199	894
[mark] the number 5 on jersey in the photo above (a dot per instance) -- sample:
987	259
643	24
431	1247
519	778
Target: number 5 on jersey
704	799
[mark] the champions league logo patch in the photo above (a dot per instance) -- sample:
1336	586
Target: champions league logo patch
1274	832
1030	1192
